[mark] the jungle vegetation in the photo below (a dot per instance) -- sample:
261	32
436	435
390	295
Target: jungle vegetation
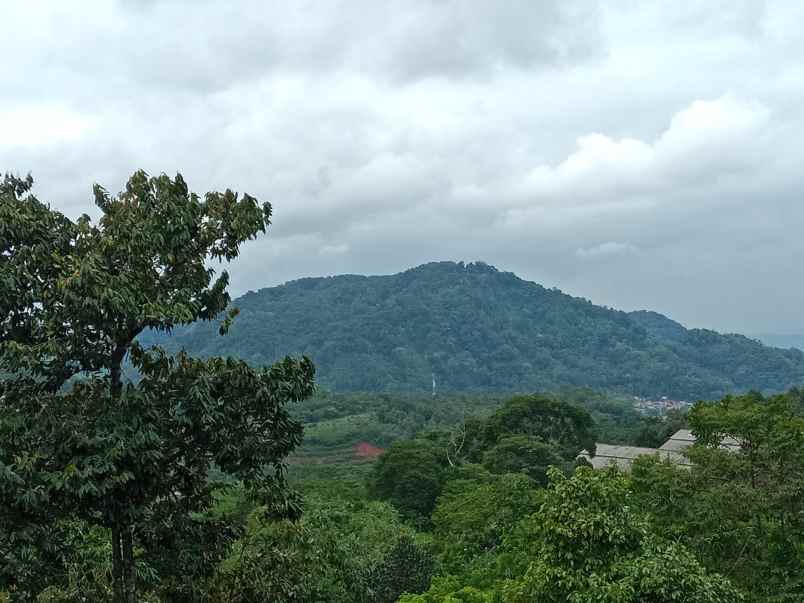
135	472
472	328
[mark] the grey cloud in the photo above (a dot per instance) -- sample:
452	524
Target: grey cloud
641	154
470	38
183	46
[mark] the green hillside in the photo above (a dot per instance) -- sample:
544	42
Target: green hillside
474	328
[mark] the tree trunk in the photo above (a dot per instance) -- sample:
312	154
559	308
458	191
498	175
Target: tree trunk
129	573
123	570
117	565
115	371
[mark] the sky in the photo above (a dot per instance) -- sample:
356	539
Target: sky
643	155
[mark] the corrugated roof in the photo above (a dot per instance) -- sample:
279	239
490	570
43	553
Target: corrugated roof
683	439
676	445
625	452
672	450
623	456
683	434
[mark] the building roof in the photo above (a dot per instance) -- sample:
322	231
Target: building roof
623	456
672	450
679	441
683	439
684	434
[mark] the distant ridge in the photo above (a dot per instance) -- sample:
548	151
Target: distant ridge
474	328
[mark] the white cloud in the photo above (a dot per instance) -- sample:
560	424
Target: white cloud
704	139
40	125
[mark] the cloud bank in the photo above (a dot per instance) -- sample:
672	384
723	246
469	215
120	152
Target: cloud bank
645	156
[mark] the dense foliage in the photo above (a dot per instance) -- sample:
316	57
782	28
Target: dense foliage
470	327
340	551
528	434
77	442
336	420
451	529
337	424
741	513
172	486
728	528
583	542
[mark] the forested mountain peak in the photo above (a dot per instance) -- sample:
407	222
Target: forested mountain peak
473	327
658	324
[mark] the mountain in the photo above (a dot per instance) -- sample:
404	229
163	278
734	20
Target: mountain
471	327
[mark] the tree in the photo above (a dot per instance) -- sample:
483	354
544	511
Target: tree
655	431
586	542
55	558
410	475
523	454
473	517
339	552
279	560
527	434
565	428
407	568
740	510
76	439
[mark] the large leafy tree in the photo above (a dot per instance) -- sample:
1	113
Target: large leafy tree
410	476
339	552
528	434
585	542
523	454
473	516
79	440
565	428
741	510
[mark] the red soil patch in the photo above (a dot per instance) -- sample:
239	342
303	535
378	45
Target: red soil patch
365	450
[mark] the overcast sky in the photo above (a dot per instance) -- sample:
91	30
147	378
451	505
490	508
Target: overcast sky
639	154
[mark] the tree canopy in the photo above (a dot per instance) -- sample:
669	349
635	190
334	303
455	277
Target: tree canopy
475	328
129	471
584	542
741	510
527	434
76	438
